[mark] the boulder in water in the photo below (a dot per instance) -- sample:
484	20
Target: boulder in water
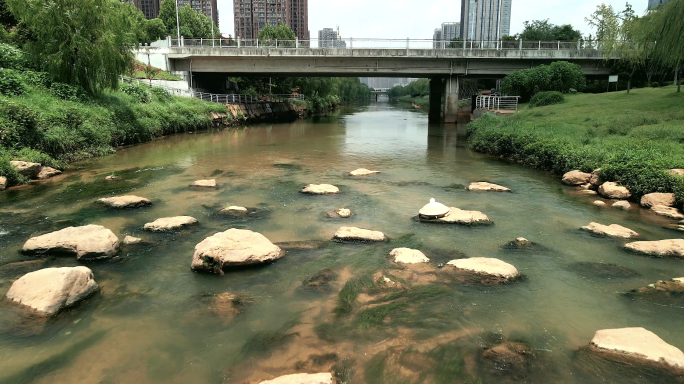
30	170
232	248
576	178
622	204
320	189
362	172
612	230
3	183
653	199
205	183
112	178
358	234
508	354
302	378
614	191
458	216
487	187
49	290
638	343
234	210
662	248
123	202
486	266
130	240
170	223
600	203
408	256
672	213
675	285
342	213
87	242
48	172
595	180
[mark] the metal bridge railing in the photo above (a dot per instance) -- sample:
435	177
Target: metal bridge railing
245	99
497	103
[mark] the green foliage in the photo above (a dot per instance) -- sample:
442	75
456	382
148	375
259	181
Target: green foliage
12	58
655	84
155	30
560	76
161	94
543	99
542	30
270	33
140	92
415	89
192	23
66	91
664	25
10	82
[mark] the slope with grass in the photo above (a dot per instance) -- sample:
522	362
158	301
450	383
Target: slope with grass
635	138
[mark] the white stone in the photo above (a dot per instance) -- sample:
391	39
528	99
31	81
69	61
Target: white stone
358	234
599	203
458	216
112	178
302	378
612	230
49	290
363	172
130	240
614	191
235	210
486	266
234	247
576	178
127	201
344	213
30	170
587	192
320	189
205	183
661	248
672	213
170	223
408	256
3	183
653	199
638	343
48	172
487	187
622	204
87	242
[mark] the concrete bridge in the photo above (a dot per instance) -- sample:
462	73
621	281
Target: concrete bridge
209	61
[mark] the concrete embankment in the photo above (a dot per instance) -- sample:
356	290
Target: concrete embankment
255	112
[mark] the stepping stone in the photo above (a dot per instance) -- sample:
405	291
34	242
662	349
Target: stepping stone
170	223
614	191
87	242
30	170
205	183
586	192
600	203
302	378
49	290
363	172
576	178
672	213
663	199
130	240
520	242
612	230
623	204
486	266
458	216
342	213
123	202
661	248
233	248
320	189
48	172
408	256
675	285
113	178
487	187
358	234
3	183
234	210
639	344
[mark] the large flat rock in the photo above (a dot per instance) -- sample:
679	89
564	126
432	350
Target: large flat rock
664	199
612	230
358	234
49	290
614	191
486	266
661	248
205	183
363	172
320	189
459	216
233	248
30	170
48	172
123	202
672	213
638	343
487	187
87	242
675	285
408	256
576	178
302	378
170	223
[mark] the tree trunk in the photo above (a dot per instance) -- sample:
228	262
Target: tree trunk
629	83
676	80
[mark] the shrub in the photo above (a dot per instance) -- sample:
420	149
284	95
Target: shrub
655	84
12	58
572	91
136	91
560	76
542	99
10	83
37	79
161	94
66	91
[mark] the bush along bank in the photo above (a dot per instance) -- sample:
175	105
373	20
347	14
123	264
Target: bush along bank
53	123
635	139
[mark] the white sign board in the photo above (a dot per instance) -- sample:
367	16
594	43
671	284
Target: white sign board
613	79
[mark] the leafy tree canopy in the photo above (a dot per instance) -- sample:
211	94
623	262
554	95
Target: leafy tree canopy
280	32
192	23
544	31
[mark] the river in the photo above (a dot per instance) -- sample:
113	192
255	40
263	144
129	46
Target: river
155	321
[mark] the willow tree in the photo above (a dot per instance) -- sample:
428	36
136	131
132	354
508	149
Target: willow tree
81	42
666	28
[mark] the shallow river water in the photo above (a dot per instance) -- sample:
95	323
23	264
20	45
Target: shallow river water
155	321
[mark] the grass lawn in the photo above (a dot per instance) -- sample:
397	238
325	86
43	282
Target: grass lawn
635	138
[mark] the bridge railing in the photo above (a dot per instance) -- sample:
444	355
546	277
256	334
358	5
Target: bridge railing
245	99
360	43
497	103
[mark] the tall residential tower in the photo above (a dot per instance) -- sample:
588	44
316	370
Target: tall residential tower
251	16
485	20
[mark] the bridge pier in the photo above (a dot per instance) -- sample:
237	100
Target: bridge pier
436	90
451	99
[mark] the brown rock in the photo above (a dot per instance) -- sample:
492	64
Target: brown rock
675	285
638	343
123	202
599	203
3	183
48	172
30	170
661	248
614	191
170	223
487	187
508	353
49	290
676	172
87	242
227	305
623	204
670	212
576	178
234	247
595	179
358	234
653	199
612	230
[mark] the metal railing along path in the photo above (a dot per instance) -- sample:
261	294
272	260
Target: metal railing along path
497	103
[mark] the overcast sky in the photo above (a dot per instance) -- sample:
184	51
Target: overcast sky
417	19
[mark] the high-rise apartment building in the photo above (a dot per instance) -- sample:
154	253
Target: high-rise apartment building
485	20
451	31
251	16
328	38
437	38
150	8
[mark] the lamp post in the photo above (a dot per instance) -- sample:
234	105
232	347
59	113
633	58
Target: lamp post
178	24
211	10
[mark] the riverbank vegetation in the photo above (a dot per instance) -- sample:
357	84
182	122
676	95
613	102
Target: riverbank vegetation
416	93
634	138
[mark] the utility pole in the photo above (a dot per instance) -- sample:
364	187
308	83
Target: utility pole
211	11
178	24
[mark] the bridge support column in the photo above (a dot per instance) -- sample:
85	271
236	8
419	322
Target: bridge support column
436	89
451	100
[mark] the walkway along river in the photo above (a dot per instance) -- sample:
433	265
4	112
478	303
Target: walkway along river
325	306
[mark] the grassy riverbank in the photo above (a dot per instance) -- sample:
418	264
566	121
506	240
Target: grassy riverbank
420	101
635	138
